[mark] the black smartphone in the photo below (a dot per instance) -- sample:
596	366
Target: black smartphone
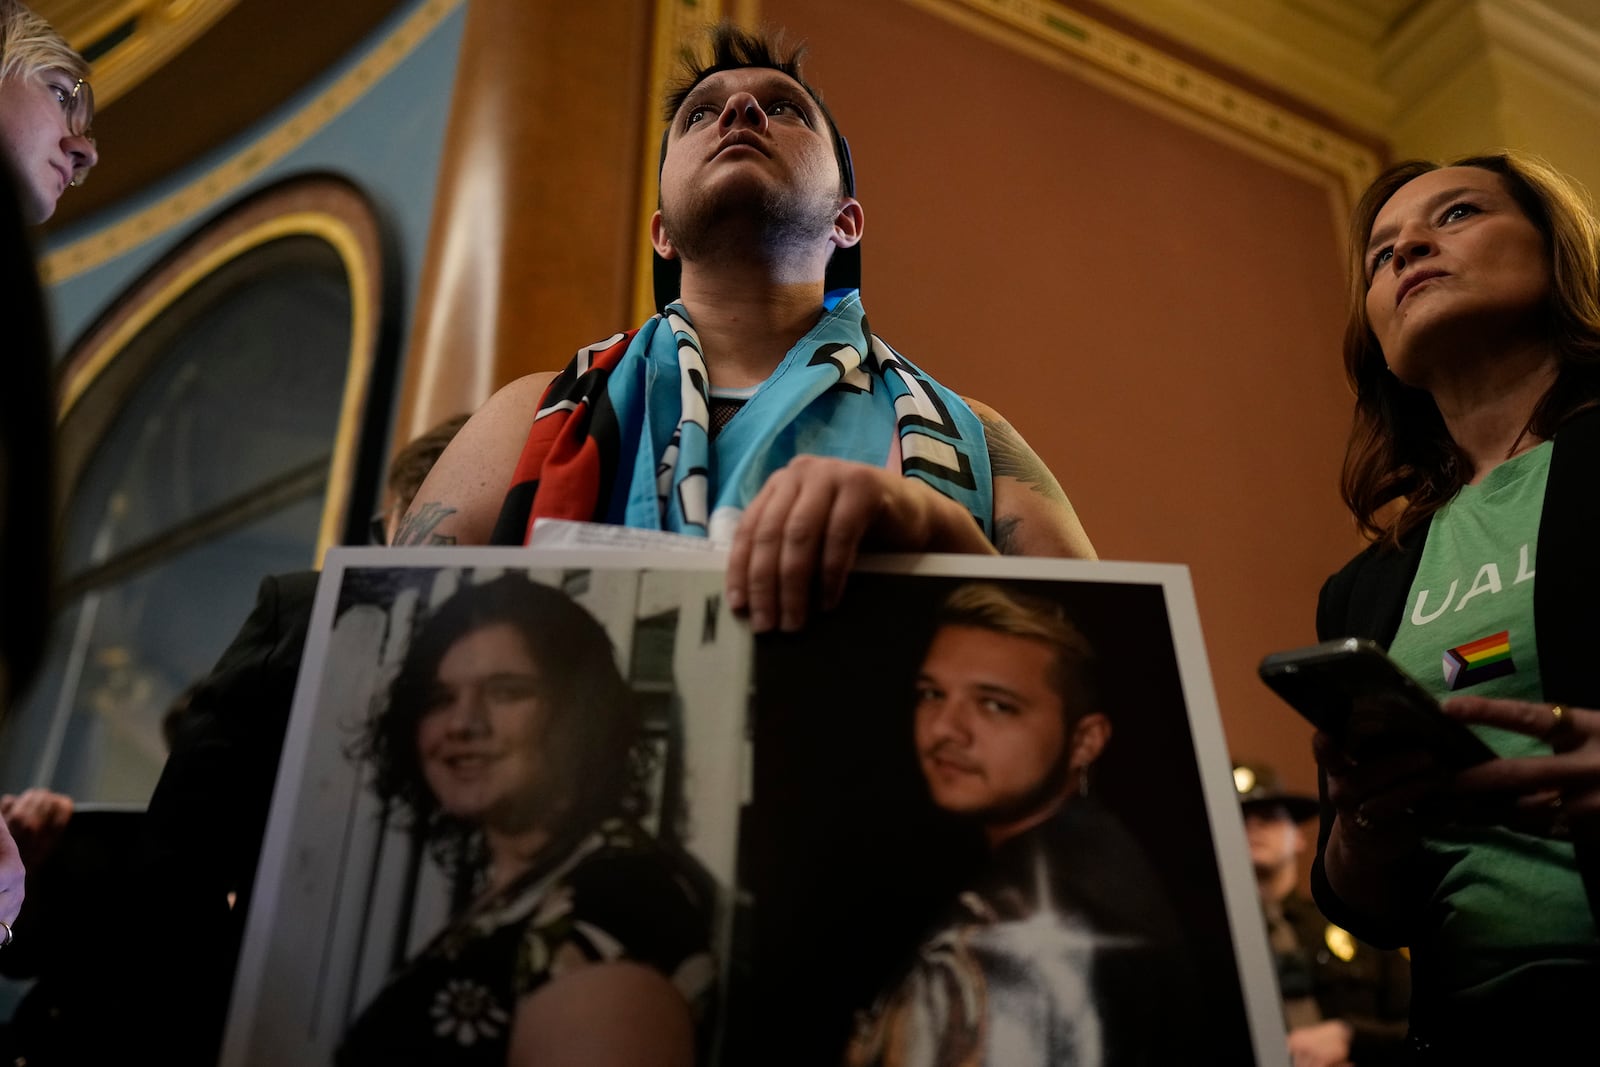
1352	691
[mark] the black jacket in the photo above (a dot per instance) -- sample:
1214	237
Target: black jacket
1367	598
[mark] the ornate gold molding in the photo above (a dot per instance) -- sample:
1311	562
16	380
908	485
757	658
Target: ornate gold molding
204	192
156	30
1203	101
317	207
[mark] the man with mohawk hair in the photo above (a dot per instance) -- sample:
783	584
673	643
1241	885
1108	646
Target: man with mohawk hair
757	409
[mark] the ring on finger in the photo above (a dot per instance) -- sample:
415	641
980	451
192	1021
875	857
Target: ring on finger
1559	723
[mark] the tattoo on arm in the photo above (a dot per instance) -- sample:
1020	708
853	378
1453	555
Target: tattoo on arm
1010	457
417	527
1005	536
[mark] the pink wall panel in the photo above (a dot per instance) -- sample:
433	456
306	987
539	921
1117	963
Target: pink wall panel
1157	311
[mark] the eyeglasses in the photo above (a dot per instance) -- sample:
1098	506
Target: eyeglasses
79	104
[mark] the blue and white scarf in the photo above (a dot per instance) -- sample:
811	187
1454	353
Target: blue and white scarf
622	435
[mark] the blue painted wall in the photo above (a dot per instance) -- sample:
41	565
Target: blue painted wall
387	142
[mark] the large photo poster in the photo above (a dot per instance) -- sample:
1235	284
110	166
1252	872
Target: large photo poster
981	813
980	834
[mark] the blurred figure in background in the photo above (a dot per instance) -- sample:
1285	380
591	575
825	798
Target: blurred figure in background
25	495
71	855
36	818
406	474
208	814
45	109
1343	1001
194	866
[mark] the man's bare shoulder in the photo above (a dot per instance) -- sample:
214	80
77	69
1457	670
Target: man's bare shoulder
1032	515
461	498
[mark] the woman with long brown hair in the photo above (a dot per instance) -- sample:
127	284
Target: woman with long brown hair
1474	349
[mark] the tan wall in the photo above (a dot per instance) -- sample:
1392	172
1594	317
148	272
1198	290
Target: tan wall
1484	75
1155	309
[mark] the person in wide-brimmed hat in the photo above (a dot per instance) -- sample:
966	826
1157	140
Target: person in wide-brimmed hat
1342	1001
1260	792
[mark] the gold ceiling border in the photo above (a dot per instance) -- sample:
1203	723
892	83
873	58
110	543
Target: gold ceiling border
1140	70
161	29
203	193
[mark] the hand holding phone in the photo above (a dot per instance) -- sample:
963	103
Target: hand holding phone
1364	702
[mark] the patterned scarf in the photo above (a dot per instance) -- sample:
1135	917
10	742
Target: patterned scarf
622	434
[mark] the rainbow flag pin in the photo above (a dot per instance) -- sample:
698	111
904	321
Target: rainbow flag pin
1478	661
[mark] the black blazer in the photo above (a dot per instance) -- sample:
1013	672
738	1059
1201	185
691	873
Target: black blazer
1367	598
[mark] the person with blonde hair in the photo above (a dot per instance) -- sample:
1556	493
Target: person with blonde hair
1473	346
44	116
46	107
1065	950
1343	1001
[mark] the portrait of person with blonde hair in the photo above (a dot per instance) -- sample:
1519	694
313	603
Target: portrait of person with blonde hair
46	108
1064	950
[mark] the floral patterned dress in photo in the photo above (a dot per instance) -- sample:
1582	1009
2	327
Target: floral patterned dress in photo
617	896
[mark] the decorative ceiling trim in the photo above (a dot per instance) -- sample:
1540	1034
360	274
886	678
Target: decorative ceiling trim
127	41
1368	21
1547	40
1204	101
1320	51
203	193
1443	38
1438	42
